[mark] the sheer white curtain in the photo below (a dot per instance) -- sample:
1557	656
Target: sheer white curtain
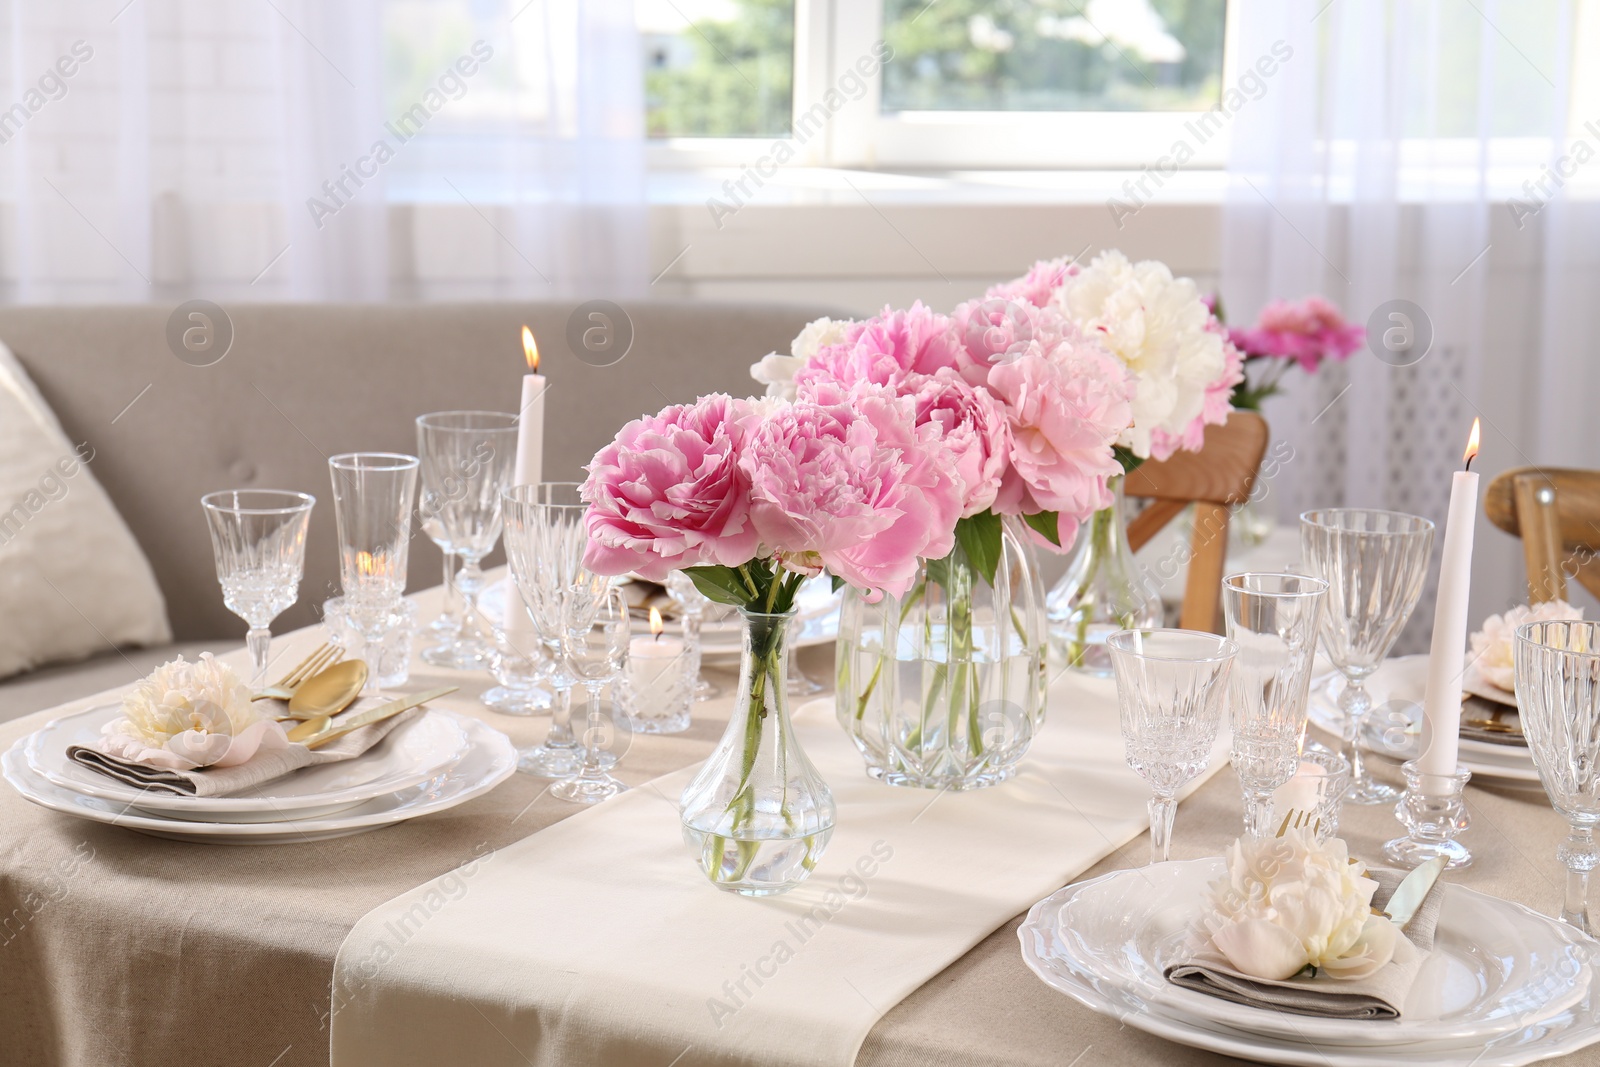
168	149
1383	162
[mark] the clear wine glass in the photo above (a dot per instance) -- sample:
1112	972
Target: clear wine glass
466	460
258	537
373	493
595	648
1272	620
545	538
1170	685
1557	666
1374	563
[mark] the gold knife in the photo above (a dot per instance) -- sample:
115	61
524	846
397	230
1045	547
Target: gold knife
320	731
1412	891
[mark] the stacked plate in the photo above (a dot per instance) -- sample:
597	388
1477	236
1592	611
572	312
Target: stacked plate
1504	986
435	761
1393	727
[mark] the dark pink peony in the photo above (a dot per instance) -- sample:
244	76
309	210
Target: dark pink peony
1307	331
843	478
668	492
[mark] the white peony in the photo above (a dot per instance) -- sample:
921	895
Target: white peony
777	372
187	715
1157	325
1291	902
1491	646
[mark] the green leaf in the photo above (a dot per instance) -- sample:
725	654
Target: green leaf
721	584
979	537
1129	461
1048	523
838	582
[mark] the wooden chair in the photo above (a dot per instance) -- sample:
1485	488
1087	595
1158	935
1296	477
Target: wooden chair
1557	514
1213	479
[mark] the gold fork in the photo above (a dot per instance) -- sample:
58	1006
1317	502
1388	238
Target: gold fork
325	656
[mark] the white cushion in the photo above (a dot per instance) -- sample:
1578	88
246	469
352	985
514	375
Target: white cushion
73	581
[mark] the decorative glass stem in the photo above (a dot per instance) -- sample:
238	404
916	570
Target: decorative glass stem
758	816
258	640
449	620
1355	704
1163	809
1579	854
1258	813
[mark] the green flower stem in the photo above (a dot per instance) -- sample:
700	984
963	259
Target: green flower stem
766	648
1099	551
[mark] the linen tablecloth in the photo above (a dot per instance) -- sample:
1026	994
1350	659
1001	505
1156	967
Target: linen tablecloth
119	949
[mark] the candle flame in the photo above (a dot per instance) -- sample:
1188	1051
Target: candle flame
530	350
656	625
1472	446
371	566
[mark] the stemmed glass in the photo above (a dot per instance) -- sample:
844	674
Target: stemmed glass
1170	685
595	648
1272	620
1557	667
1374	563
545	539
372	499
466	460
259	539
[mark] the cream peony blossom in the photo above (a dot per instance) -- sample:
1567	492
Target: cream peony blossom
777	372
187	715
1291	902
1157	326
1492	645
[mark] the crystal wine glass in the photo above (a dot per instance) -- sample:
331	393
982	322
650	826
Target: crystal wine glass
372	499
595	648
1272	620
466	460
1557	667
259	539
1170	685
545	539
1374	563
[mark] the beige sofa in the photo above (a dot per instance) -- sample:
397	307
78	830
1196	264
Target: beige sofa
303	382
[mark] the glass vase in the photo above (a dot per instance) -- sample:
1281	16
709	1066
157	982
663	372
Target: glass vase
945	688
1103	590
758	816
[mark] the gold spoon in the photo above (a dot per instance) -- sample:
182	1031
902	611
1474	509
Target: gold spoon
329	692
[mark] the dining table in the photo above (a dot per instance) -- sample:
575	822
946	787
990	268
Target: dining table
118	948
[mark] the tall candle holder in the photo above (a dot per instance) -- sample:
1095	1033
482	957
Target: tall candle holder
1433	813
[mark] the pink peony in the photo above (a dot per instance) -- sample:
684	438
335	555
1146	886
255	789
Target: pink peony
884	349
668	492
843	478
1066	408
1217	404
1036	286
1307	332
1000	326
973	428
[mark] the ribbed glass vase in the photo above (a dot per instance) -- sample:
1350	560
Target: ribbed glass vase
945	688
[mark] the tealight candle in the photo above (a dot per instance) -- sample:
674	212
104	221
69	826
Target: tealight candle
1304	792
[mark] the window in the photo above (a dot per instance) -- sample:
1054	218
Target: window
717	68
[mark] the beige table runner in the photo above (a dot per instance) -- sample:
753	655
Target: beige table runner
597	940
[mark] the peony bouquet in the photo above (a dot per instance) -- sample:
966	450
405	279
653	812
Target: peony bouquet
1300	333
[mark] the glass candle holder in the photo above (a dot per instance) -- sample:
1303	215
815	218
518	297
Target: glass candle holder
658	686
1317	789
388	658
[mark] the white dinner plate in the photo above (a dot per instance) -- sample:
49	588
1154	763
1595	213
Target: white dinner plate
1504	984
413	752
489	760
1392	726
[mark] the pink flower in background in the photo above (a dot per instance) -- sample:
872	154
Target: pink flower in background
1306	331
973	430
1036	286
668	492
1066	408
884	349
1218	403
843	478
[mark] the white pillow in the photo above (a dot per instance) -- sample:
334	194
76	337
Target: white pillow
73	581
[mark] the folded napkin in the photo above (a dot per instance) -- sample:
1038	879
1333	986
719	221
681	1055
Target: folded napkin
267	765
1380	995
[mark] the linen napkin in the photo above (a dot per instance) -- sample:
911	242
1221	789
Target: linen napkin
1381	995
265	766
